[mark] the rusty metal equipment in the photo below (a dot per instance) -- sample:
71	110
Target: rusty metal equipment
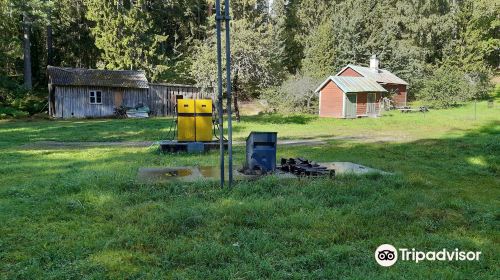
303	167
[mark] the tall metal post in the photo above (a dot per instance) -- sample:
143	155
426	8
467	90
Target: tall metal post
228	95
218	20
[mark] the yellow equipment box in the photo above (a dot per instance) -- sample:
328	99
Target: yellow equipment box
194	120
185	120
203	121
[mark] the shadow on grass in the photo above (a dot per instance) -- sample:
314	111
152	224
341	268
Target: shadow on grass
17	132
444	197
279	119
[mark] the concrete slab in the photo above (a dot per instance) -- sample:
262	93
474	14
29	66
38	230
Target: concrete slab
351	168
199	173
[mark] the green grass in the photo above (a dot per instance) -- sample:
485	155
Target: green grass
405	127
80	213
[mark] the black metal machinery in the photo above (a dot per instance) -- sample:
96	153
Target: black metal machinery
303	167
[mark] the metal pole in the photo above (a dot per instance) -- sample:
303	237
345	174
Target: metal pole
228	93
218	20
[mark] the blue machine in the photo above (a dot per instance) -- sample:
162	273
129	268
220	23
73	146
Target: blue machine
261	151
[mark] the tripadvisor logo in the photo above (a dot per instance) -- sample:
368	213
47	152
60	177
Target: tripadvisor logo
388	255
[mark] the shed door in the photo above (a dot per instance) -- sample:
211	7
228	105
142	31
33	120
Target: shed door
350	105
118	98
370	105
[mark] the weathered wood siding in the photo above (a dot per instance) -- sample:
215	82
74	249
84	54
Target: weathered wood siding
164	96
399	94
74	102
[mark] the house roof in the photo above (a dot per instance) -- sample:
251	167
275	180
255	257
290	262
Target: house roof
353	84
381	75
91	77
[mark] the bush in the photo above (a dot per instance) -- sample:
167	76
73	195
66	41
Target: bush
295	95
9	112
33	103
449	86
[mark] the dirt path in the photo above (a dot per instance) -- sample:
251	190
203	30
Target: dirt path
72	145
143	144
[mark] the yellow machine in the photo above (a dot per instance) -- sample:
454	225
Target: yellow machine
194	120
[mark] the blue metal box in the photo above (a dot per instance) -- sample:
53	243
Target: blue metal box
195	147
261	151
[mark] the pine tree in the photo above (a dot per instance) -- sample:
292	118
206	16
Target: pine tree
125	36
255	56
320	52
73	43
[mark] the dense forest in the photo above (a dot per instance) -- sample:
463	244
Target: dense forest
281	49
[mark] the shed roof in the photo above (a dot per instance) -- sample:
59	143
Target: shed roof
380	75
91	77
353	84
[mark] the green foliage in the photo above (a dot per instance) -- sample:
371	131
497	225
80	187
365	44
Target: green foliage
320	52
10	49
479	43
174	41
407	36
284	17
295	95
9	112
74	45
255	58
125	37
449	86
19	101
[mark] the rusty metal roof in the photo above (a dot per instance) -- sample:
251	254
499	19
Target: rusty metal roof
382	76
353	84
91	77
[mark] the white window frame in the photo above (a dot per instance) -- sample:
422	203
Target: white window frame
319	110
344	97
93	94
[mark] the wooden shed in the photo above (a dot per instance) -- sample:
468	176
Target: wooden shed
90	93
349	97
81	93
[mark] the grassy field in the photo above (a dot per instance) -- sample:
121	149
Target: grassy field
394	125
81	213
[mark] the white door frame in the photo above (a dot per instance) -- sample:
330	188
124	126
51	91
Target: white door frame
345	103
374	102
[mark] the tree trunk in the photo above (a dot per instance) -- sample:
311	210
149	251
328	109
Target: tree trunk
28	84
235	96
210	9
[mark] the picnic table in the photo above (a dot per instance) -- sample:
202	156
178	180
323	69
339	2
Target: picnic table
408	109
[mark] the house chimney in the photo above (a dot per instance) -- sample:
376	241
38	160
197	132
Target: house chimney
374	63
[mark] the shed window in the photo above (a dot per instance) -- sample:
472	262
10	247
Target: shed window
95	97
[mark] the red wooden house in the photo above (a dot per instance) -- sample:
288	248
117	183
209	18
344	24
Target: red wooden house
339	98
349	97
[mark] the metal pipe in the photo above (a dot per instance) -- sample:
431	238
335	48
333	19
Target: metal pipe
228	95
218	20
